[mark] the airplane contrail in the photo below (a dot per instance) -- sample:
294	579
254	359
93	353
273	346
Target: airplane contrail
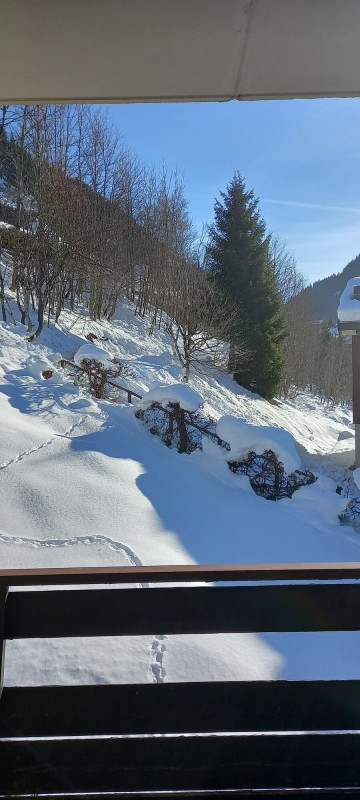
318	206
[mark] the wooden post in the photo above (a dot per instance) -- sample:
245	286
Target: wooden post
356	394
3	596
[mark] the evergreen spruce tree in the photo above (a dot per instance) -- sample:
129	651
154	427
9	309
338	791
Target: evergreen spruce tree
239	261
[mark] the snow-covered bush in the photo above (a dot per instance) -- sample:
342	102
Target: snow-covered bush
176	427
95	377
267	455
267	475
96	372
172	412
180	394
244	438
351	514
91	352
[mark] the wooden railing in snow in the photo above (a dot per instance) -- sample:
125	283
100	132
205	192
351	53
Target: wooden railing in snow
129	392
243	739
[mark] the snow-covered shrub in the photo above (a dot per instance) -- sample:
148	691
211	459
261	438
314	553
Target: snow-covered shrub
91	352
267	455
351	514
180	394
95	377
172	412
267	475
176	427
99	378
244	438
97	372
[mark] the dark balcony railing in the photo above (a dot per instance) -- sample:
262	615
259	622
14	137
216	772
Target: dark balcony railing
242	739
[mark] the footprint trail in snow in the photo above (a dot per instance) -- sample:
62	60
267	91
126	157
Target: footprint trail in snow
31	450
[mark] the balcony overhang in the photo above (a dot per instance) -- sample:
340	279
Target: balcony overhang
178	50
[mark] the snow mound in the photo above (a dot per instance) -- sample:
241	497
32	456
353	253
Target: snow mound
244	438
90	352
349	306
188	398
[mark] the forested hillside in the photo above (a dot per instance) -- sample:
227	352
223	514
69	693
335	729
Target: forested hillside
324	295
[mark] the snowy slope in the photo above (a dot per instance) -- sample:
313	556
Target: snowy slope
83	482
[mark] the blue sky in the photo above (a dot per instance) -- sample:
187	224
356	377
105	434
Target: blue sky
302	158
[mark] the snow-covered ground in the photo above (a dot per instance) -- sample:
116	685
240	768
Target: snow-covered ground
84	483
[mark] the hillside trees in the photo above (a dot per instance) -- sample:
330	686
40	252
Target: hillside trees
41	255
300	323
130	180
316	358
325	293
107	224
92	223
289	279
240	264
64	161
200	320
300	346
166	238
333	374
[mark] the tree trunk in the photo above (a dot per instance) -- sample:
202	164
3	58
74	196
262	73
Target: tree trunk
2	297
40	316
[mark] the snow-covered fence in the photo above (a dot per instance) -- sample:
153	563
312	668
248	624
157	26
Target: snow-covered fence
250	738
85	371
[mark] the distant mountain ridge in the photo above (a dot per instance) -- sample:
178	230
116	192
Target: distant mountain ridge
325	294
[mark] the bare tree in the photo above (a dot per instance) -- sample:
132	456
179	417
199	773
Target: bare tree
201	321
290	279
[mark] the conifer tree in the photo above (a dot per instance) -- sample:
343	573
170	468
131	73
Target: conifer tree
239	261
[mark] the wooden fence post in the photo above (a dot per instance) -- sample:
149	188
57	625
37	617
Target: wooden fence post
3	595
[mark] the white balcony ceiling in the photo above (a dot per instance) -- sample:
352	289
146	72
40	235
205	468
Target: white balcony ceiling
173	50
